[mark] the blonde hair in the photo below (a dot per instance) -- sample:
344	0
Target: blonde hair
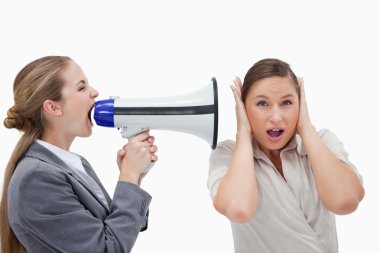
36	82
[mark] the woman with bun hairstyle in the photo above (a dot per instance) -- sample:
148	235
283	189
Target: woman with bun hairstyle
52	200
282	181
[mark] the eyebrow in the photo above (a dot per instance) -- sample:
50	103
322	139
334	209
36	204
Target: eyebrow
265	97
81	82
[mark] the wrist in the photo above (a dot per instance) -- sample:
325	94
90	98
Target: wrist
244	140
243	133
129	177
306	129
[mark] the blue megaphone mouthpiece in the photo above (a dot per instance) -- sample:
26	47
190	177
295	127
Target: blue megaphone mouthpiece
104	112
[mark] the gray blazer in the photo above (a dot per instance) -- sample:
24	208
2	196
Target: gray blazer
52	209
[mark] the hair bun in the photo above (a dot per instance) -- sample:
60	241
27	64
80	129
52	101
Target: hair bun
14	119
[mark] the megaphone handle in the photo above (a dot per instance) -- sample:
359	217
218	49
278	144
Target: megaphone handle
149	166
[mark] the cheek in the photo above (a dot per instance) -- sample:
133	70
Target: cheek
255	117
292	116
73	111
75	105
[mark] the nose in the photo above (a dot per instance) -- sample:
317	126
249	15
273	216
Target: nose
94	93
276	115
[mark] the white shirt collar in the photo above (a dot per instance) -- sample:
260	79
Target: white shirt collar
71	159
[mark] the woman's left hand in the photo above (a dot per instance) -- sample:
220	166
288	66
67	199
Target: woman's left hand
303	117
120	155
122	152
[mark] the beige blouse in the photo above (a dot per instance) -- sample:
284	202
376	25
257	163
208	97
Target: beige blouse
290	217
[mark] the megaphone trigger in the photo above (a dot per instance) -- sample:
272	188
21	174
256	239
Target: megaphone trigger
130	131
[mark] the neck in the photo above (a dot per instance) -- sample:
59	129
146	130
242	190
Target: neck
275	158
273	155
57	139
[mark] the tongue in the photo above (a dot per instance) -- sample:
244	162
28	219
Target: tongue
274	133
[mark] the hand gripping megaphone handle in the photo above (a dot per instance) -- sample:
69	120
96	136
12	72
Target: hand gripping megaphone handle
130	137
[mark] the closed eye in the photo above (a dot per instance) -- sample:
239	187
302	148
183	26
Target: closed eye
81	85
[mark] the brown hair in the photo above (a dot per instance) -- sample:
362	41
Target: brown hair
36	82
266	68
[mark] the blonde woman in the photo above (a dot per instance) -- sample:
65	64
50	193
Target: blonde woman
282	181
52	199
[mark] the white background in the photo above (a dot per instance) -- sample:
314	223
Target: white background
163	48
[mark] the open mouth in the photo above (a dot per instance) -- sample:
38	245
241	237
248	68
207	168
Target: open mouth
89	115
275	133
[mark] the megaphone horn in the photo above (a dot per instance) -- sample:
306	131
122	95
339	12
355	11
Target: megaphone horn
194	113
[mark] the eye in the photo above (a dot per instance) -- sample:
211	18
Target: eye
82	86
262	103
287	102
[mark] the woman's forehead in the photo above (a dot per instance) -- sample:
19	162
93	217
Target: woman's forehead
72	74
273	86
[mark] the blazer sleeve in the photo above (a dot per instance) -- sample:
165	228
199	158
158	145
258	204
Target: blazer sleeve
52	213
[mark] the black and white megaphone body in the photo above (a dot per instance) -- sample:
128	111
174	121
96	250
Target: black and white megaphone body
195	113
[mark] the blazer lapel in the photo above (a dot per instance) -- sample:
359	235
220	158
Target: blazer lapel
90	171
40	152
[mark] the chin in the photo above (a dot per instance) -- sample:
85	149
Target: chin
276	146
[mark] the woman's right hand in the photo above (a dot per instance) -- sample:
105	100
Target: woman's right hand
243	125
136	156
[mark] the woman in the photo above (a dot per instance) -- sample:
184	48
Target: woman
52	199
281	182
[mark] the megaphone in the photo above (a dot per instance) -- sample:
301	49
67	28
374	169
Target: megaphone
195	113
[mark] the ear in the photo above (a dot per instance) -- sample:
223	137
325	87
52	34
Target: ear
52	108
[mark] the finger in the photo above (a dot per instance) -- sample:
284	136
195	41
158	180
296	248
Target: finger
238	85
153	149
236	97
300	80
238	100
120	155
235	93
154	158
237	81
151	139
141	136
302	89
146	144
121	152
